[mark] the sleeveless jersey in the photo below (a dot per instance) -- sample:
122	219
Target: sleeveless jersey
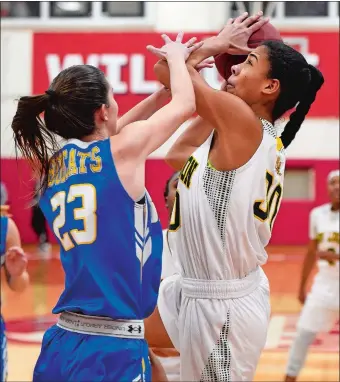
3	237
324	228
222	220
110	246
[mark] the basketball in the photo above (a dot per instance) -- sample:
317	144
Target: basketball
225	61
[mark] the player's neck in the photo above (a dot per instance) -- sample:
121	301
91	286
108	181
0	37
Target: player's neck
261	112
98	135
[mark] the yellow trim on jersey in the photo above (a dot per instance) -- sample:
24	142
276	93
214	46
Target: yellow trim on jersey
210	165
279	144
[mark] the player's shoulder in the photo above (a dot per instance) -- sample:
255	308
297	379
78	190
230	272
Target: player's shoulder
320	210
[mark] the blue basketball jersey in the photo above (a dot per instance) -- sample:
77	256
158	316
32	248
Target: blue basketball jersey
3	236
110	246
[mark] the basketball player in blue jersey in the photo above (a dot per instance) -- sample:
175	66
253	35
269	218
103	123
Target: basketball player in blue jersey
95	200
13	263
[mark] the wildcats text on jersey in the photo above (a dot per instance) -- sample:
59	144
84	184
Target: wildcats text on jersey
68	162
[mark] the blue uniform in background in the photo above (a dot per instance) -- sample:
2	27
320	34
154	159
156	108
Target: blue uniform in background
3	341
110	249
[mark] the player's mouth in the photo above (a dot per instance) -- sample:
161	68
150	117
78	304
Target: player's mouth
230	85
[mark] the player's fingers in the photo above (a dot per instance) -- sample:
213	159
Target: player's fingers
195	46
179	37
166	38
241	18
155	51
252	19
230	21
203	66
15	250
190	42
258	25
237	50
210	60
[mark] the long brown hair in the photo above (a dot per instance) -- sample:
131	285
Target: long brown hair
68	107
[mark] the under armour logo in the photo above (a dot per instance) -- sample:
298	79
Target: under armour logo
136	329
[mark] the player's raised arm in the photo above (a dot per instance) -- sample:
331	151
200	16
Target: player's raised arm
193	136
141	138
223	110
144	109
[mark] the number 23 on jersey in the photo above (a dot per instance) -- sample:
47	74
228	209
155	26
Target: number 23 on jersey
86	213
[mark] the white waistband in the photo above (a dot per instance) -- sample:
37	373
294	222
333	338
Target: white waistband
101	326
222	289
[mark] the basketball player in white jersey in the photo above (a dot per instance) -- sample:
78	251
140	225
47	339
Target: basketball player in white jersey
216	311
321	309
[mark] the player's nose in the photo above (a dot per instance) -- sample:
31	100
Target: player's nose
235	69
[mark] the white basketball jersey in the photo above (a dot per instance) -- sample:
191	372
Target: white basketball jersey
222	220
324	227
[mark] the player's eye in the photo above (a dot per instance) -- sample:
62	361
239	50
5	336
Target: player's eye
249	62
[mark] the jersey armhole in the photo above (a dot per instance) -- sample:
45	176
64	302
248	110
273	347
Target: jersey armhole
279	144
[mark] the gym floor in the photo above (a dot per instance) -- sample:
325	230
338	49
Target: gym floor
28	315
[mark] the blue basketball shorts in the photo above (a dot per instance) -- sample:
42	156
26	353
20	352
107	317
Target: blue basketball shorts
70	356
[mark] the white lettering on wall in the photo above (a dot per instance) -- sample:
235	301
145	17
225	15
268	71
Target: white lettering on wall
136	63
137	75
54	65
114	64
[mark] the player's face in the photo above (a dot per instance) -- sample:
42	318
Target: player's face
333	190
249	80
172	194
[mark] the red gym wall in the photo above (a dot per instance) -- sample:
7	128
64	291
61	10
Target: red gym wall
291	225
133	80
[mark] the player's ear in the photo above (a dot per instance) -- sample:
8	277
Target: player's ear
271	86
102	113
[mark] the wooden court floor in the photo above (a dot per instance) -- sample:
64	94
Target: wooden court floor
28	315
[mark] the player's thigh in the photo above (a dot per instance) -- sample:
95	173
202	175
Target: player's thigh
69	356
317	318
249	322
223	339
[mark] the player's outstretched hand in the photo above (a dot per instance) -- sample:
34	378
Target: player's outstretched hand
234	37
175	48
15	261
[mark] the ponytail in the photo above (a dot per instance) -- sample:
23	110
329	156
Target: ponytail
31	137
298	116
